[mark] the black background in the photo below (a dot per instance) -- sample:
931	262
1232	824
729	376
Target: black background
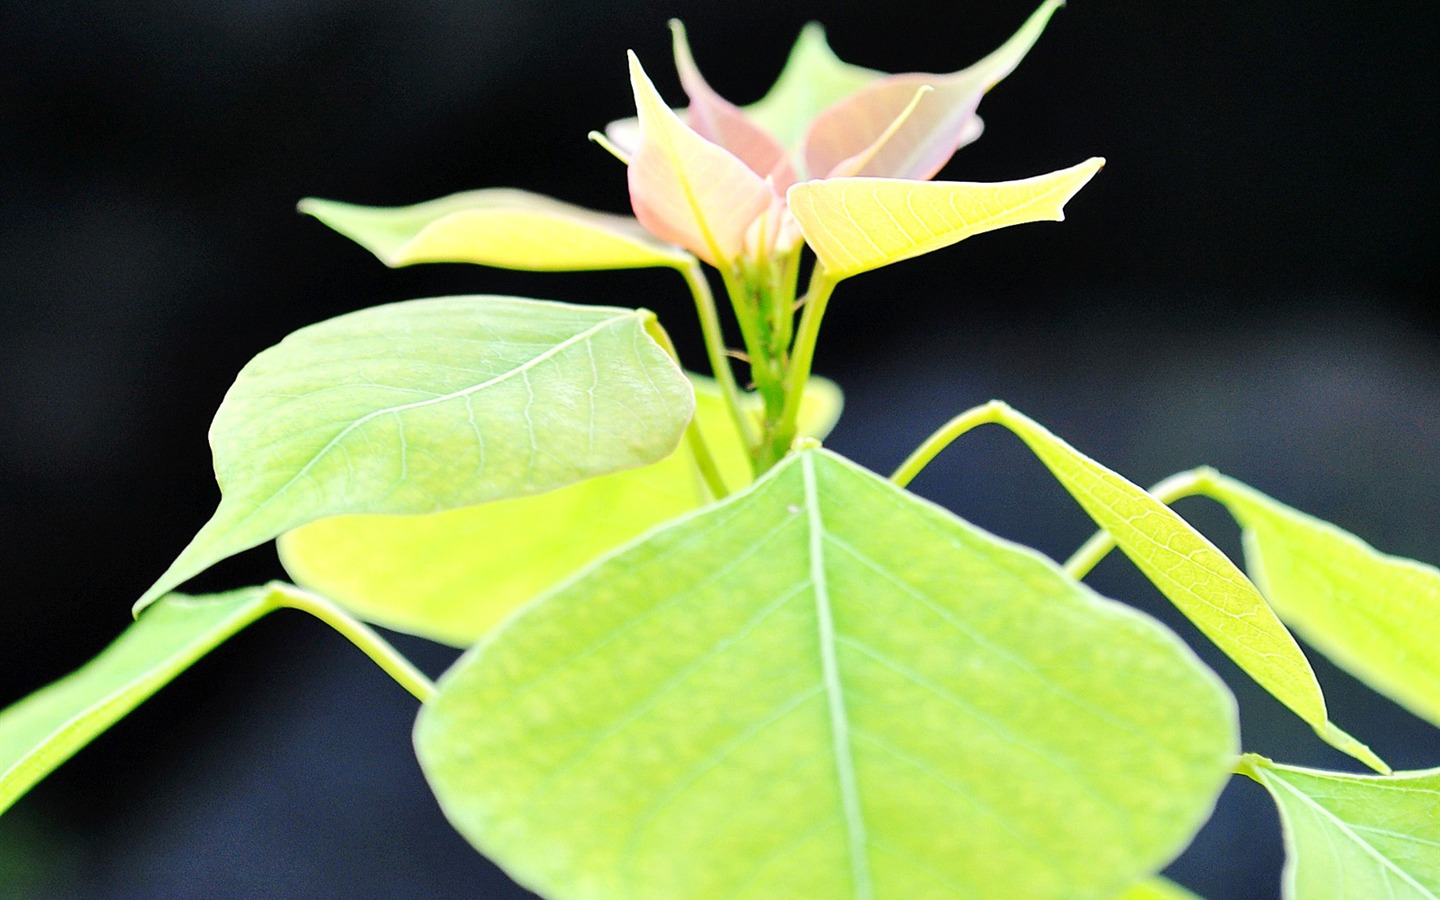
1250	283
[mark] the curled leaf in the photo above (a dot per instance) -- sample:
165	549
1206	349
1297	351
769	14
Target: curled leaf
511	229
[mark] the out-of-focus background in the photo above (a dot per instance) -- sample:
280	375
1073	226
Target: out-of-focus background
1251	283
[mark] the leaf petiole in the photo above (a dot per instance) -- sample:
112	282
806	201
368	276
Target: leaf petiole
984	414
359	634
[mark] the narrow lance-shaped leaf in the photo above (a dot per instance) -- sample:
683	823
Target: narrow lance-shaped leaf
858	224
1376	615
48	727
685	189
909	706
507	228
944	121
1201	581
813	79
1351	836
451	576
429	405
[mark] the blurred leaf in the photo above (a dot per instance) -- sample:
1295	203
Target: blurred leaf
1201	581
452	575
43	730
827	687
858	224
1378	616
1157	888
500	227
1352	836
813	79
430	405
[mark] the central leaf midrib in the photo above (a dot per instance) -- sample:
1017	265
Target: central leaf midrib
835	691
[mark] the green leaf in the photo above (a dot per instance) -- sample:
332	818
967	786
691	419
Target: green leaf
43	730
1157	888
501	227
430	405
1350	836
858	224
451	576
813	78
1378	616
1201	581
827	687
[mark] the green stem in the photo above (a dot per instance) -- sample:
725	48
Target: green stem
700	451
981	415
715	347
1176	487
802	357
362	636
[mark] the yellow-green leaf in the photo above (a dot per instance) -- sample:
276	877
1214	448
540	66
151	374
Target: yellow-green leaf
48	727
508	228
1188	569
685	189
858	224
1158	888
1355	836
813	78
451	576
1376	615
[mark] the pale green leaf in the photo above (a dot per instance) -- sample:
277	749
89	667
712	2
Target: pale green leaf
428	405
43	730
827	687
1354	836
813	78
916	142
501	227
685	189
1201	581
451	576
1376	615
858	224
1158	888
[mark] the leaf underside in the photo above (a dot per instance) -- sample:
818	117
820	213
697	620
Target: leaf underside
429	405
451	576
1351	836
826	687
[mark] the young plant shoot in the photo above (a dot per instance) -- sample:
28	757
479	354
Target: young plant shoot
675	599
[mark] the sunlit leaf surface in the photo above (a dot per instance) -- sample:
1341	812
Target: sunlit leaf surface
451	576
826	687
1157	888
858	224
1201	581
501	227
1353	836
1376	615
429	405
48	727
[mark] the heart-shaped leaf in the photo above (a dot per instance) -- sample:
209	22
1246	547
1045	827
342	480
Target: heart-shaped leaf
858	224
451	576
51	725
500	227
1351	836
429	405
827	687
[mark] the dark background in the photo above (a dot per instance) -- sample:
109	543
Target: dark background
1250	283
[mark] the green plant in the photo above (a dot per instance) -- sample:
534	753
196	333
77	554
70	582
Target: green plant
676	597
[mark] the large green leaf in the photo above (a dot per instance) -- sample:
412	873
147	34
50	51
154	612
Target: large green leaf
1200	580
497	227
433	404
1157	888
451	576
48	727
827	687
1352	836
1376	615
